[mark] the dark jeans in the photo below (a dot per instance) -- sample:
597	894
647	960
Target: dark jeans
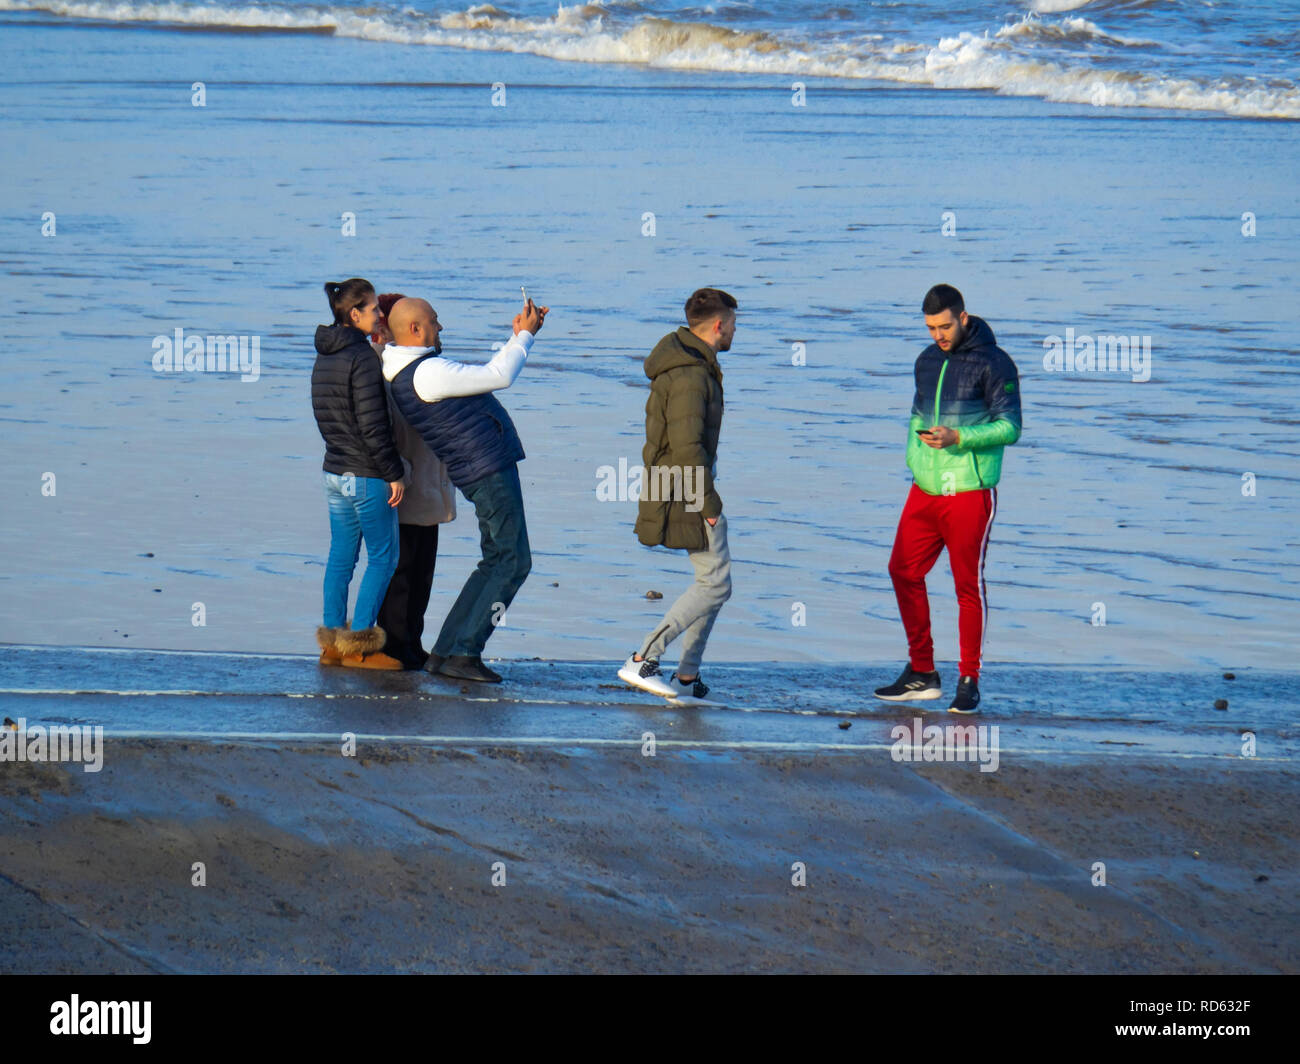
402	614
499	505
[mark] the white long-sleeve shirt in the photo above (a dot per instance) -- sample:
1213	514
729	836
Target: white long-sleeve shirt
442	378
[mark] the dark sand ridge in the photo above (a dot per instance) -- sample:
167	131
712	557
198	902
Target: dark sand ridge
617	862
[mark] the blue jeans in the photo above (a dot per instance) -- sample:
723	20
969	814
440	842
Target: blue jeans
358	510
499	505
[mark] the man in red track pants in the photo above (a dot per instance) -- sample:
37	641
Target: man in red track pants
965	410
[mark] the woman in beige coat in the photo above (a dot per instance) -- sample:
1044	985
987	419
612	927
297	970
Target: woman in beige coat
430	500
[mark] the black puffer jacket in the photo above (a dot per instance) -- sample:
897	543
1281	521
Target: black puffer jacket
351	407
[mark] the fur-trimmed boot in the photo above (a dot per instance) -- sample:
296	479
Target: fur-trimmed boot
329	651
364	649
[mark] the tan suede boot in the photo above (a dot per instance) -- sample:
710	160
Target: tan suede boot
364	649
329	651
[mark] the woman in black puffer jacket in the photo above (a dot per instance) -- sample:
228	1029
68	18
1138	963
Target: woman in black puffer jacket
362	474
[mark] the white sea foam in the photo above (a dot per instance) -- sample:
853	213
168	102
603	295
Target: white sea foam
1055	7
1002	61
1067	30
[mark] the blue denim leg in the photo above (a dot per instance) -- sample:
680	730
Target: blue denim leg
359	510
503	535
345	546
379	529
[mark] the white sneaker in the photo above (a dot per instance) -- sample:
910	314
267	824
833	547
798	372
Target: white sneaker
646	675
688	694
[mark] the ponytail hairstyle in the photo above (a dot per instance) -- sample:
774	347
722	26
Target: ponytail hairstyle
346	296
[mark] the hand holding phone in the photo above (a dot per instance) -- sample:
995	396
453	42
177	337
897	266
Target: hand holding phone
531	317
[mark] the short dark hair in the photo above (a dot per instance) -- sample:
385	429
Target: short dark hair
943	297
708	303
346	296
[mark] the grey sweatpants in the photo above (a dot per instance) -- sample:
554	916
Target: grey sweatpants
696	610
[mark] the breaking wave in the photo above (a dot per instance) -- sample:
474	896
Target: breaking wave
1003	60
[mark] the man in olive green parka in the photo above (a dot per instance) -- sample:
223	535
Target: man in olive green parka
679	507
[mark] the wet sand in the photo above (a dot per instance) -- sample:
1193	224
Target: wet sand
615	862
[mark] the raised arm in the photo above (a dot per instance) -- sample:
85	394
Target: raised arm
442	378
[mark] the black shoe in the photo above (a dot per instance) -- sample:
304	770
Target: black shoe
413	661
912	687
464	667
967	699
432	664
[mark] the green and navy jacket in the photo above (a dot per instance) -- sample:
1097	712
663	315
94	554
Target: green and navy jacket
974	389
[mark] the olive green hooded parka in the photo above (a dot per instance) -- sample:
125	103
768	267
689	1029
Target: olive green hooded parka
683	417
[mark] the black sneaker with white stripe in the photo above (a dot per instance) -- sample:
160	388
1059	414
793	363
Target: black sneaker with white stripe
967	699
912	687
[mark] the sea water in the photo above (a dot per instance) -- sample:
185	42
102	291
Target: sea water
1114	170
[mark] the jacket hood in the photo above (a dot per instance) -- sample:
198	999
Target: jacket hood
681	348
331	339
978	336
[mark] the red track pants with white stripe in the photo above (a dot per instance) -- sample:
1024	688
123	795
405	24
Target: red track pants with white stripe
960	522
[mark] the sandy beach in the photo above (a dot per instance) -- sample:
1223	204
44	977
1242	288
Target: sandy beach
614	856
618	863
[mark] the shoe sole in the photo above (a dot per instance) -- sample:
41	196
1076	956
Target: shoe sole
920	696
964	712
469	679
633	679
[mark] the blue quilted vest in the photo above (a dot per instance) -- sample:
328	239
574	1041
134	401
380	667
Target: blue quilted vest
472	434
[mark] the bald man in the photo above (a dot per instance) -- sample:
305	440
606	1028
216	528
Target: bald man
451	405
